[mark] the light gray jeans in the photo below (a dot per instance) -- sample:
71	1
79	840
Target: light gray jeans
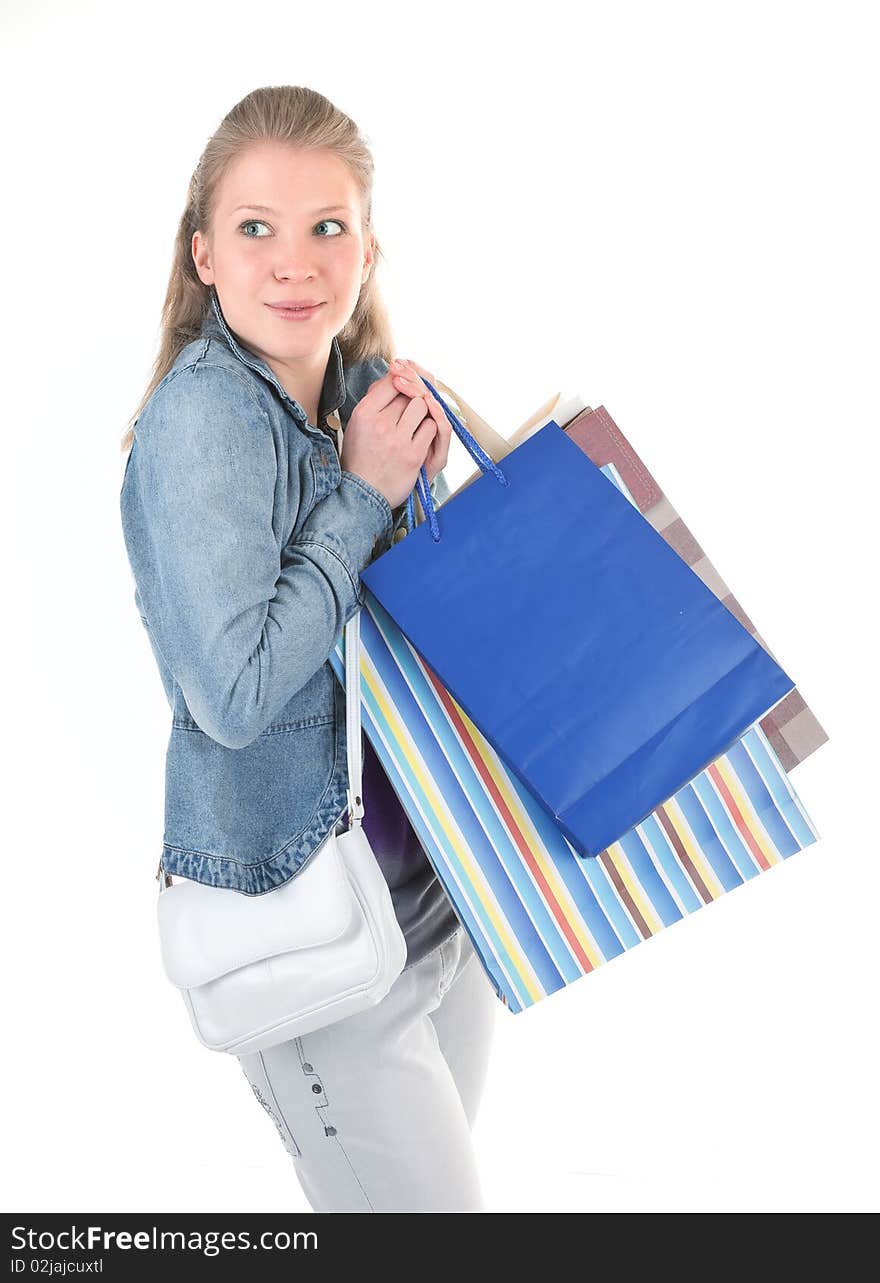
376	1110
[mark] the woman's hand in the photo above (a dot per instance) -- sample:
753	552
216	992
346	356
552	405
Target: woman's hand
390	435
408	379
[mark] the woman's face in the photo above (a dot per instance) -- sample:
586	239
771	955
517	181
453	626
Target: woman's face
296	247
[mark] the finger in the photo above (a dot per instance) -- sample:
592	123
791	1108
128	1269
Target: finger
414	386
444	432
412	372
438	455
409	381
411	388
383	391
402	364
415	416
420	369
430	462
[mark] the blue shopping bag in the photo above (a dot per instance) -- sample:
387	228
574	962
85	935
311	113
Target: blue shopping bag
599	666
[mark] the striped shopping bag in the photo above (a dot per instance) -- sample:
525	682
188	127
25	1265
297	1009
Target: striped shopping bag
540	915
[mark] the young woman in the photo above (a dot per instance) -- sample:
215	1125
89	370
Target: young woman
246	533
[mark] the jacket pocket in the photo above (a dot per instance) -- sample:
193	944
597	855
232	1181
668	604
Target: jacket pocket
248	804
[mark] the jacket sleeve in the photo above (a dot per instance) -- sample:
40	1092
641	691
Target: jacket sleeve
241	621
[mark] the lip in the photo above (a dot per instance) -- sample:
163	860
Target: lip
289	303
295	316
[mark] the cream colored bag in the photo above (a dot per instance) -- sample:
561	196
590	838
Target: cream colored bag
257	970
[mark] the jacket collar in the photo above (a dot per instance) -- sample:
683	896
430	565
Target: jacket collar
332	392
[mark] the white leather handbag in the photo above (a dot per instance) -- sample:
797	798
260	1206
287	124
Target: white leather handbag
257	970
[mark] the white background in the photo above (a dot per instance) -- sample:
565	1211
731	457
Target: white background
669	208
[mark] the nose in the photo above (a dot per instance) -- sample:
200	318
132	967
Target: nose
295	259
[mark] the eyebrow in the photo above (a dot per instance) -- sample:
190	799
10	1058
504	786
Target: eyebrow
265	209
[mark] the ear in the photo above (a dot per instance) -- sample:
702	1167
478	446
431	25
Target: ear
369	258
202	258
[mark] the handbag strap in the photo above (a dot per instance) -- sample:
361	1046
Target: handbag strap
353	717
352	684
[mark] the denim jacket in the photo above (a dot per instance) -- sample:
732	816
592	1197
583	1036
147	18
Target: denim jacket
246	539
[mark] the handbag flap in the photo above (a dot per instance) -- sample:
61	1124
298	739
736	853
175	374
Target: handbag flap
207	931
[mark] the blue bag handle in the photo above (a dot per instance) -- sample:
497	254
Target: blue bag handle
474	449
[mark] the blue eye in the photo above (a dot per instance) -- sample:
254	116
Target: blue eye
256	222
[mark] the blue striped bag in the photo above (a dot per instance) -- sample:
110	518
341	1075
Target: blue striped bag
539	914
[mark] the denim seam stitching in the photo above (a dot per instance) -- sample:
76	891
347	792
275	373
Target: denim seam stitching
286	402
202	362
314	476
243	864
316	543
304	724
377	499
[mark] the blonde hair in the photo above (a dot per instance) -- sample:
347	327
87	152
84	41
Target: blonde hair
306	120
